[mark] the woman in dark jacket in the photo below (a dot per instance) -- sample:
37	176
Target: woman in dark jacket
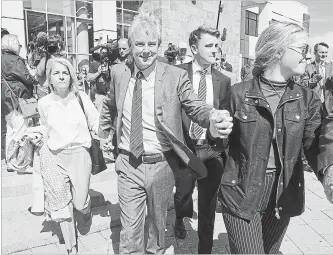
16	82
274	117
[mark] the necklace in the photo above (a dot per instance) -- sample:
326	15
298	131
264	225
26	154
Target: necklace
279	94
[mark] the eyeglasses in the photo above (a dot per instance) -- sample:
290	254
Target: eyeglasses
304	51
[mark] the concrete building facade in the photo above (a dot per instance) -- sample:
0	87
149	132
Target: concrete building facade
257	15
84	23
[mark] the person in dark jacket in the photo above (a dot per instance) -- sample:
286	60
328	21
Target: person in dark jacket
211	86
325	159
16	82
274	117
4	32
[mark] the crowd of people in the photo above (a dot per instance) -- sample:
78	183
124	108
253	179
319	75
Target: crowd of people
177	120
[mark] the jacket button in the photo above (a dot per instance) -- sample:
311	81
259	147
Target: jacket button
280	208
246	99
233	181
279	129
244	117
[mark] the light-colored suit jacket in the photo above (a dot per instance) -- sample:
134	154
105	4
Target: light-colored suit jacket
328	87
173	92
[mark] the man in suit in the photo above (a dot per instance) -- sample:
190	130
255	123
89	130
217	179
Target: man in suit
204	43
145	102
224	64
319	71
246	71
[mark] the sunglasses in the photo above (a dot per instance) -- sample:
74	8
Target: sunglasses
304	51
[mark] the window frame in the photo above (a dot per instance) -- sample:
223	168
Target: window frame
247	23
122	24
66	17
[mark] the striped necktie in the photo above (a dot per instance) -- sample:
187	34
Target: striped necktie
196	130
136	138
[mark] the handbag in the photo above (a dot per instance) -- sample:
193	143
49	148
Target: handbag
28	107
96	154
21	154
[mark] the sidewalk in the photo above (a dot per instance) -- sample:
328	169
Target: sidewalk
23	233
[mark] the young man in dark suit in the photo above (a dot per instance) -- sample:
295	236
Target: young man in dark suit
211	87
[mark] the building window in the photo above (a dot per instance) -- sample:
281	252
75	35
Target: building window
72	20
126	10
251	23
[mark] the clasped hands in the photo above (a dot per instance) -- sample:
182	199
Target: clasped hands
220	123
328	183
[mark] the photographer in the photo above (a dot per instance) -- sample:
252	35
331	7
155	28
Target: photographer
99	78
48	48
83	84
171	54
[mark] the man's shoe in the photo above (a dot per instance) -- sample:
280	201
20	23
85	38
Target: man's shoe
180	231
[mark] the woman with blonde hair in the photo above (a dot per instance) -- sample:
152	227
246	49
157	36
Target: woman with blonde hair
274	117
65	158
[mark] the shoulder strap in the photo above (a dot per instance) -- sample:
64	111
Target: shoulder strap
77	94
8	86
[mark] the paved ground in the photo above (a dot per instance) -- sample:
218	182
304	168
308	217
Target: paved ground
23	233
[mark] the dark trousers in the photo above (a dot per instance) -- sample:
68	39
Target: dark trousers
207	193
263	234
3	136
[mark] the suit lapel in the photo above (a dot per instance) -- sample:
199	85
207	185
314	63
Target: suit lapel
124	81
315	67
185	118
190	71
159	86
216	88
327	71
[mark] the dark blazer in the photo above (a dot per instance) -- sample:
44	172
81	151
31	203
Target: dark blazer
221	87
173	92
16	74
325	158
297	123
328	84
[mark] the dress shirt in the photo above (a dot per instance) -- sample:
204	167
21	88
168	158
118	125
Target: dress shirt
64	121
209	90
154	140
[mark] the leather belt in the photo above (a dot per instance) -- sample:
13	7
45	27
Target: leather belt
200	142
148	159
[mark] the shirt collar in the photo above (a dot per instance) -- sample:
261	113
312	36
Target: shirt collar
320	64
147	73
197	67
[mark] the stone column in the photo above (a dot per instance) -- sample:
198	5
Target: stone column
105	20
12	18
82	36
